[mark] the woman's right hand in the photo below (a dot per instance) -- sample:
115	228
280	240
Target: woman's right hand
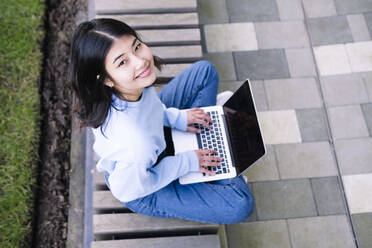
206	159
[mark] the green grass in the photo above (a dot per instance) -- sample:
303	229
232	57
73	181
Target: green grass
21	36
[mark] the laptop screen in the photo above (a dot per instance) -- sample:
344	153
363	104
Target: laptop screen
244	131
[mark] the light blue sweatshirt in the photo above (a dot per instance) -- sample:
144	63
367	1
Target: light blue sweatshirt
132	139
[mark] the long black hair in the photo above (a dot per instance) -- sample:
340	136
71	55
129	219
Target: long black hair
90	44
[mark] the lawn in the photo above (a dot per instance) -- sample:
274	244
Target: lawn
22	34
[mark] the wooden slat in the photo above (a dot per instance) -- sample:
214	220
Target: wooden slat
172	52
104	200
148	20
136	5
171	70
170	35
98	178
202	241
137	223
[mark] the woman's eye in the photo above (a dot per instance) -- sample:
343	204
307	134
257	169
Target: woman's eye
138	46
122	62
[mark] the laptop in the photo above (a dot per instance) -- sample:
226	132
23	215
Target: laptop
235	135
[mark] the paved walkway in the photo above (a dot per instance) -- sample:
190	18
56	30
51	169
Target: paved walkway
311	66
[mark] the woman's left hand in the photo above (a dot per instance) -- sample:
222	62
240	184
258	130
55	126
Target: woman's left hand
197	116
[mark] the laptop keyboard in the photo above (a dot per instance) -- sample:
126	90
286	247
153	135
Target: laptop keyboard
212	139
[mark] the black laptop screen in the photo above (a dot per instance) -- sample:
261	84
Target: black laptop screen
245	136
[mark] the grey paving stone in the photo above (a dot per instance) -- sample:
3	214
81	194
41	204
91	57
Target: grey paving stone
259	94
292	93
305	160
358	27
262	64
321	232
319	8
252	10
300	62
253	216
224	64
268	234
257	87
212	11
284	199
329	30
288	34
368	19
347	122
363	227
353	6
266	169
290	9
328	197
313	124
344	89
354	156
367	111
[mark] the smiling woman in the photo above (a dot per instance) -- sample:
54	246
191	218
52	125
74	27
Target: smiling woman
113	73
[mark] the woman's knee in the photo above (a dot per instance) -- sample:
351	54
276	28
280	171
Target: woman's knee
242	209
208	70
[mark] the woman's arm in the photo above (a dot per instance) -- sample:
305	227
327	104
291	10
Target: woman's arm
128	183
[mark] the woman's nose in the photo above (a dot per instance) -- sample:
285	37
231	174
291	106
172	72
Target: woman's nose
138	62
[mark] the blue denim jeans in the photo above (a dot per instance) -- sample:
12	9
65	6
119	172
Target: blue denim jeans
224	201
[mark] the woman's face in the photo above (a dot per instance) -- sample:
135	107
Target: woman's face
130	64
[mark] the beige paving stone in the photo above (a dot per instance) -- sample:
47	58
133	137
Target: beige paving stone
285	34
230	37
332	59
321	232
358	27
347	122
358	190
360	55
290	9
279	127
305	160
292	93
267	234
344	89
265	169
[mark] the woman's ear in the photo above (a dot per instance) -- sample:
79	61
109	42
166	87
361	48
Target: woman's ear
108	83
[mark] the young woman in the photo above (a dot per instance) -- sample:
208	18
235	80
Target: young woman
112	73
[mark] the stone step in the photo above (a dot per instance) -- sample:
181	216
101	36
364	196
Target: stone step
201	241
177	52
151	20
171	70
128	224
171	36
98	179
103	200
138	6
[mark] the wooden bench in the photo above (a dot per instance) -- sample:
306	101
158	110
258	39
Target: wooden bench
171	29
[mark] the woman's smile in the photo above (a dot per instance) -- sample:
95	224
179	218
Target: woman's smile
145	73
